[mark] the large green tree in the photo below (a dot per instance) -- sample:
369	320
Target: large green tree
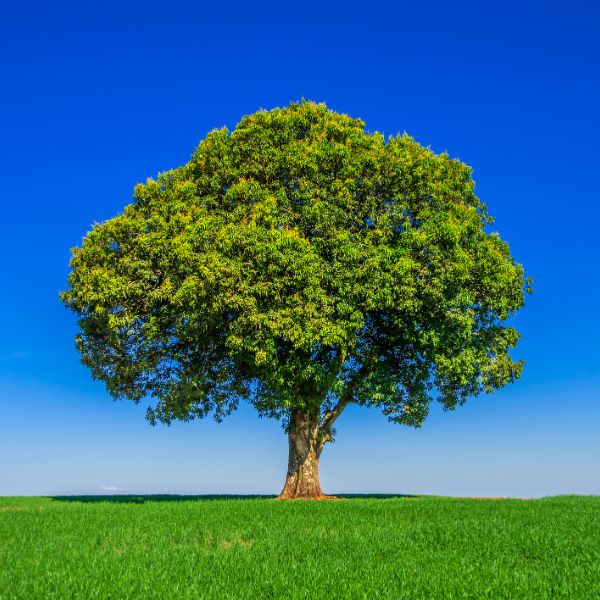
302	264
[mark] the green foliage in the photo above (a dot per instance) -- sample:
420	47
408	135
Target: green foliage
397	548
298	262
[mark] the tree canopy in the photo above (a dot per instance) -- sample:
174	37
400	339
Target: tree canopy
301	263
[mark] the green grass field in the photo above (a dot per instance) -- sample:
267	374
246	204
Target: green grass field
365	547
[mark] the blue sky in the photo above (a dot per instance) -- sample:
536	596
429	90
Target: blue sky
96	100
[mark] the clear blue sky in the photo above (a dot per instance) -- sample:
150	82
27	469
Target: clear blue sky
95	100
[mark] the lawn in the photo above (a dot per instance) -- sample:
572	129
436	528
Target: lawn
360	547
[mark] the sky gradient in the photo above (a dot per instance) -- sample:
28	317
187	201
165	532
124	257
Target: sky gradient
94	102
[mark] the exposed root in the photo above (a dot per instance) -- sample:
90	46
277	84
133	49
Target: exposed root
322	497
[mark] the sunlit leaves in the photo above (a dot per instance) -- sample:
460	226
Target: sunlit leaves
296	261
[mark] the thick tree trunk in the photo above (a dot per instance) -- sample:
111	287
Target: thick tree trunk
303	463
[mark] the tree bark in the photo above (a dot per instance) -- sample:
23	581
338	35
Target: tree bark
302	479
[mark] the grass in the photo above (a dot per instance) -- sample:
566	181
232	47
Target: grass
363	547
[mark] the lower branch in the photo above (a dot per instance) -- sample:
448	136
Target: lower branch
327	425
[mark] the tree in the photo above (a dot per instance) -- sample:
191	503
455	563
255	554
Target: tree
302	264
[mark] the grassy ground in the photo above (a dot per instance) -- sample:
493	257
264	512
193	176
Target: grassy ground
397	547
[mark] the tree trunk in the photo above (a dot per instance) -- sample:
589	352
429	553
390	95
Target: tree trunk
303	463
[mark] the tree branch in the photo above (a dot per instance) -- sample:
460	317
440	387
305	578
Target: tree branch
328	421
330	417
